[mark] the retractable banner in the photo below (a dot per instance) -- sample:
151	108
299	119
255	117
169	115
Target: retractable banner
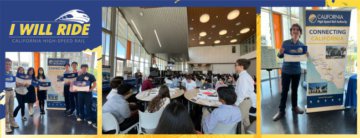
55	74
327	35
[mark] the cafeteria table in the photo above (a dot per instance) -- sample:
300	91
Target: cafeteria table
351	97
148	95
193	97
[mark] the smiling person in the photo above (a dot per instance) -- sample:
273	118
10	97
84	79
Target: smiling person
21	91
291	72
31	96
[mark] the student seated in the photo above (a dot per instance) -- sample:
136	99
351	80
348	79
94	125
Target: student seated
207	84
119	107
147	84
190	84
175	119
114	84
226	114
160	101
220	83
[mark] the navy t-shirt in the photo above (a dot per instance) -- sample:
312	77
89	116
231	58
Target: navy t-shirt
291	67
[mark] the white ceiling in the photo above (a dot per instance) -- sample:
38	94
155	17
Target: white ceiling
170	24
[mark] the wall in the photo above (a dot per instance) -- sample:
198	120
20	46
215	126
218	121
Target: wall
221	58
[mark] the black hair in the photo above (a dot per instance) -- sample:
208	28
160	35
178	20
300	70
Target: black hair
41	76
84	65
116	82
175	119
296	25
66	64
227	94
74	63
33	75
243	62
17	71
123	89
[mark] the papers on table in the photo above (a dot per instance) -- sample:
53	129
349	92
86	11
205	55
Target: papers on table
44	86
23	79
10	81
207	97
81	86
70	77
295	53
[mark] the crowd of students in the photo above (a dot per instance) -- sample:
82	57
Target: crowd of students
30	93
236	93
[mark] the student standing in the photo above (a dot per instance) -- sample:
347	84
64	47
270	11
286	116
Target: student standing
85	97
31	95
291	72
42	94
244	88
73	95
9	101
226	114
67	90
21	91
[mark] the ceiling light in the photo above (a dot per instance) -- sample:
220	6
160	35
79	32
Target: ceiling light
238	23
202	34
136	29
233	40
247	12
222	32
245	30
191	28
233	14
157	37
209	38
193	39
217	16
213	26
217	41
204	18
201	42
237	34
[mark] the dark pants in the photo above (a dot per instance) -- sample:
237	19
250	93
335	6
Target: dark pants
67	97
73	101
286	80
84	102
21	100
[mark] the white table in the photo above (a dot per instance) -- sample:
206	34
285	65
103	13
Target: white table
148	95
193	97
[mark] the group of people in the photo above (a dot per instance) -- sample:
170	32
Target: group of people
237	96
80	101
30	93
25	93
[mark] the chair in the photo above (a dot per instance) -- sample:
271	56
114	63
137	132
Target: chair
109	123
225	129
148	121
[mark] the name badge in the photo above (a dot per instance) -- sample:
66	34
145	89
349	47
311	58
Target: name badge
86	78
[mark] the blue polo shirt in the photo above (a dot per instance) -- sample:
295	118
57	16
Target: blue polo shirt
290	67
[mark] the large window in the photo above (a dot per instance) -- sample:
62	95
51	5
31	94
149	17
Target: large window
18	60
289	15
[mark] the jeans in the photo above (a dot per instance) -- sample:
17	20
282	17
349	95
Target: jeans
286	80
73	101
84	102
21	100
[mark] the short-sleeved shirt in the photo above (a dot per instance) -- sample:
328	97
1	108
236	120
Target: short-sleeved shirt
86	77
10	74
291	67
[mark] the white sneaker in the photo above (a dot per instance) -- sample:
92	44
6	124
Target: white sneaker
78	119
14	124
8	129
89	122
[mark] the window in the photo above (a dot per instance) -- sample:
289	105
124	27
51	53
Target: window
106	47
121	47
106	17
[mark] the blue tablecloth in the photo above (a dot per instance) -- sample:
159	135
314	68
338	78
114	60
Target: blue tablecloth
351	97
